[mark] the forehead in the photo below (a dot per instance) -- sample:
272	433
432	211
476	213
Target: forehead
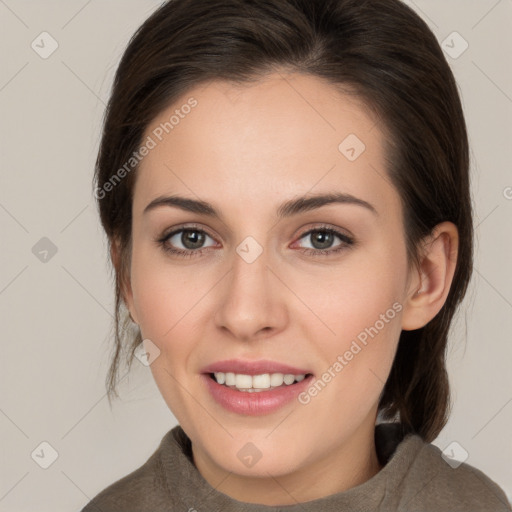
286	134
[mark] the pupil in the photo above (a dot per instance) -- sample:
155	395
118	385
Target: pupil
324	238
192	239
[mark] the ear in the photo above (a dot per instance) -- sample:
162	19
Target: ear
430	284
123	274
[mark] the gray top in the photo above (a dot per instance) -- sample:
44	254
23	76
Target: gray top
414	478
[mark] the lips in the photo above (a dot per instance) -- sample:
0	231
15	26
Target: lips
257	403
253	367
255	397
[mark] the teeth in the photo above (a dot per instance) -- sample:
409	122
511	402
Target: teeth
253	383
258	381
276	379
289	379
243	381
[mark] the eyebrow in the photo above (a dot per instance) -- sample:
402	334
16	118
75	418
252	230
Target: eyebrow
287	209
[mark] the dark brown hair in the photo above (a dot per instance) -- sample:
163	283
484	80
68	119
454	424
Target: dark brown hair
382	50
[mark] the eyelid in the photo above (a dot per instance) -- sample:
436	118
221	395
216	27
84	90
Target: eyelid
184	227
340	232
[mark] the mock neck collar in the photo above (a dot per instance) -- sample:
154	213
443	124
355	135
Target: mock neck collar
395	451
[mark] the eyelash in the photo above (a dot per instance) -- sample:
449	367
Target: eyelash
347	242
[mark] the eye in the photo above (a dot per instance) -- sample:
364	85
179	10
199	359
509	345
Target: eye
322	238
190	238
189	241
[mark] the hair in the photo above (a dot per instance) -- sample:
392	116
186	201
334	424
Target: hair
383	52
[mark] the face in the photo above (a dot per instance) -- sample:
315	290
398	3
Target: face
312	291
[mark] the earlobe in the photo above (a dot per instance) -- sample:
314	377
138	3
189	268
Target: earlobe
429	290
123	278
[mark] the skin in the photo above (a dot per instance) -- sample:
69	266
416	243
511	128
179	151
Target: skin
247	149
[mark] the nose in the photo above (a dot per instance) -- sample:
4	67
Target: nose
252	302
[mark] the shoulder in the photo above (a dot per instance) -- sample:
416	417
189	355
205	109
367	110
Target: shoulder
141	490
440	484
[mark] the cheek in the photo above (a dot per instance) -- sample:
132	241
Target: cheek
360	310
166	303
170	304
156	311
354	294
162	294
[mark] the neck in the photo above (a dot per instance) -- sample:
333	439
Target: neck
345	466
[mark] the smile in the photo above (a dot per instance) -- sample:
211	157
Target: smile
248	400
256	383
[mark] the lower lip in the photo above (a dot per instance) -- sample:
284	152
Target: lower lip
257	403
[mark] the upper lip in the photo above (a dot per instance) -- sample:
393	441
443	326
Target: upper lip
253	367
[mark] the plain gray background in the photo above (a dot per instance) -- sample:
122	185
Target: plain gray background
57	306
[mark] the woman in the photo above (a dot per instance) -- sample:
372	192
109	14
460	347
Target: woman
284	186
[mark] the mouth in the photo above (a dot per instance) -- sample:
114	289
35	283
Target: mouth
257	383
253	388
